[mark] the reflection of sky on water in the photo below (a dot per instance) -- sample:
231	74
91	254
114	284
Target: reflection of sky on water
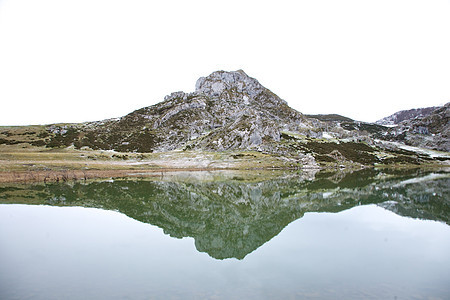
366	245
363	252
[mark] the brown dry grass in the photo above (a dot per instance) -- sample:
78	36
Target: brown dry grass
38	164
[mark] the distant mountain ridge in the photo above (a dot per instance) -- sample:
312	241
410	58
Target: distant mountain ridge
330	118
405	115
430	131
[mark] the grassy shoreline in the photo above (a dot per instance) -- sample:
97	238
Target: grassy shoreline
39	164
20	163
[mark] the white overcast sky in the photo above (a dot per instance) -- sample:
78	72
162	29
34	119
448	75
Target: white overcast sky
86	60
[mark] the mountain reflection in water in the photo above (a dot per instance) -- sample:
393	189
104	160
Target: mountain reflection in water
232	214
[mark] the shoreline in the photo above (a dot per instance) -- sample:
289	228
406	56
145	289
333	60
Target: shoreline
80	175
84	175
27	165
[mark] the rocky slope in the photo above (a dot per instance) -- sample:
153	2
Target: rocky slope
228	110
231	111
406	115
431	131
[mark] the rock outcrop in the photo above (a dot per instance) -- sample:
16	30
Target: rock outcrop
227	111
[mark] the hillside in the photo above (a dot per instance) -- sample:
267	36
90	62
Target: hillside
431	131
405	115
231	111
228	110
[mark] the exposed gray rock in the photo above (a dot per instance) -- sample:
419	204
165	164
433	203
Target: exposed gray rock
238	81
406	115
228	110
431	131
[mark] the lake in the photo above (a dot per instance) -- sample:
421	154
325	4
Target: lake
368	234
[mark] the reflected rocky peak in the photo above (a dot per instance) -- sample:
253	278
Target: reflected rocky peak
231	214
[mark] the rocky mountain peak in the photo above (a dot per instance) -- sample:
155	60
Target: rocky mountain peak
237	82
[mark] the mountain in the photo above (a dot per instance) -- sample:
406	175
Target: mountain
405	115
231	111
228	110
430	131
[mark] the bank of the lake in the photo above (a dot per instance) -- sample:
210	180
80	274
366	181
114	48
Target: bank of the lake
40	164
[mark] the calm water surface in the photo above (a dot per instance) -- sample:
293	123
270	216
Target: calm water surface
365	235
